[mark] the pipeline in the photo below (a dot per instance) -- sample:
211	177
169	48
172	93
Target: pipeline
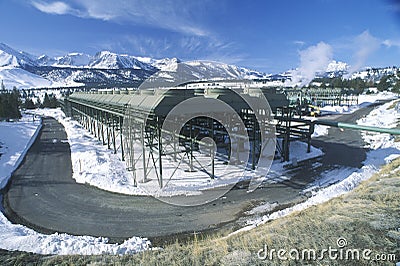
392	131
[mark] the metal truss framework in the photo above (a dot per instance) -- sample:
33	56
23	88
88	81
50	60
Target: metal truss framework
322	97
107	114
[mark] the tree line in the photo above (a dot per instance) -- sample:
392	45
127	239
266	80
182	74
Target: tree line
49	101
11	103
387	82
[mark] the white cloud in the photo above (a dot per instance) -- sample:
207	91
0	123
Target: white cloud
183	47
144	45
173	15
58	8
364	45
391	43
313	59
300	43
193	41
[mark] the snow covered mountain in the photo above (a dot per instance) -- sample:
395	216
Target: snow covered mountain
375	74
217	70
341	69
20	78
73	60
109	60
336	66
45	60
11	58
335	69
159	63
69	60
108	69
174	72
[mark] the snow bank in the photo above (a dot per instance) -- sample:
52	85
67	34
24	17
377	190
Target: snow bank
385	151
22	135
320	130
319	197
364	100
95	164
367	99
385	116
92	162
16	139
19	237
323	195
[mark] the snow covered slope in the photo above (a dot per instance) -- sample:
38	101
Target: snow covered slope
177	73
10	57
15	140
73	60
109	60
335	66
374	74
108	69
45	60
22	79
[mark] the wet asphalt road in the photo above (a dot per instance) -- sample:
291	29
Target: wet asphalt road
43	195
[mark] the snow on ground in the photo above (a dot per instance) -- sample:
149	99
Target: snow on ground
96	165
386	116
15	139
92	162
319	197
383	147
364	100
297	154
320	130
21	78
19	134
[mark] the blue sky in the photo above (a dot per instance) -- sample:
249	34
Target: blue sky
270	36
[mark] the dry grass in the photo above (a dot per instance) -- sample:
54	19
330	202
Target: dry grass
368	217
393	105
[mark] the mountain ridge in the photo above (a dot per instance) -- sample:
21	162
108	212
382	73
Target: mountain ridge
109	69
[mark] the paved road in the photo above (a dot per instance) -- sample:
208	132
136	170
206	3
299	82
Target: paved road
344	147
43	195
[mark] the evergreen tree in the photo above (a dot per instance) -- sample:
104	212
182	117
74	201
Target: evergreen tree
49	101
9	105
396	87
15	104
337	83
53	101
29	104
46	101
383	84
2	105
39	103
